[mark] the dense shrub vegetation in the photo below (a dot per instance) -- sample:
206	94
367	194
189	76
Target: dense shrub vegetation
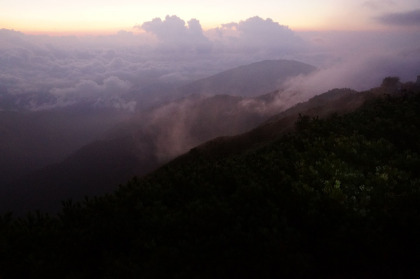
337	198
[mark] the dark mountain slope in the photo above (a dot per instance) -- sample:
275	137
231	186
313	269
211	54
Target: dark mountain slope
336	198
333	102
337	101
98	167
154	139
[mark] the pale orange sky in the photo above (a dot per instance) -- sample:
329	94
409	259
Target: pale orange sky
108	16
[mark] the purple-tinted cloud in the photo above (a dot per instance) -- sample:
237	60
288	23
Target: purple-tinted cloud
410	18
174	32
256	32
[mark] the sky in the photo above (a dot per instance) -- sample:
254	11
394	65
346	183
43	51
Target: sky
107	16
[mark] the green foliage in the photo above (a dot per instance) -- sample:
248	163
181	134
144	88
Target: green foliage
339	197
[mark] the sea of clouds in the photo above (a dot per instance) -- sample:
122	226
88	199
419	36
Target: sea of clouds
136	69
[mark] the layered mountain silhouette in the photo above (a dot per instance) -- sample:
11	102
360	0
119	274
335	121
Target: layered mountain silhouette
152	138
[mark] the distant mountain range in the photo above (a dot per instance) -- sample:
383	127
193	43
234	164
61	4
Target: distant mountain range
250	80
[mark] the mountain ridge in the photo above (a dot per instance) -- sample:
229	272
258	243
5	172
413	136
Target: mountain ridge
337	197
255	79
133	158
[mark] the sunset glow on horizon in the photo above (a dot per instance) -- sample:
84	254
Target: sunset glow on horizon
108	16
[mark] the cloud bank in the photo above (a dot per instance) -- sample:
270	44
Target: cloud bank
172	31
109	93
134	70
410	18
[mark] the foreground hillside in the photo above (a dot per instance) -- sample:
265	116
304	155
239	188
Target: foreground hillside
337	198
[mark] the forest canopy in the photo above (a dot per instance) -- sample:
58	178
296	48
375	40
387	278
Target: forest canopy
338	197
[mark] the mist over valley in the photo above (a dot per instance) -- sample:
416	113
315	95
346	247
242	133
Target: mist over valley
137	142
